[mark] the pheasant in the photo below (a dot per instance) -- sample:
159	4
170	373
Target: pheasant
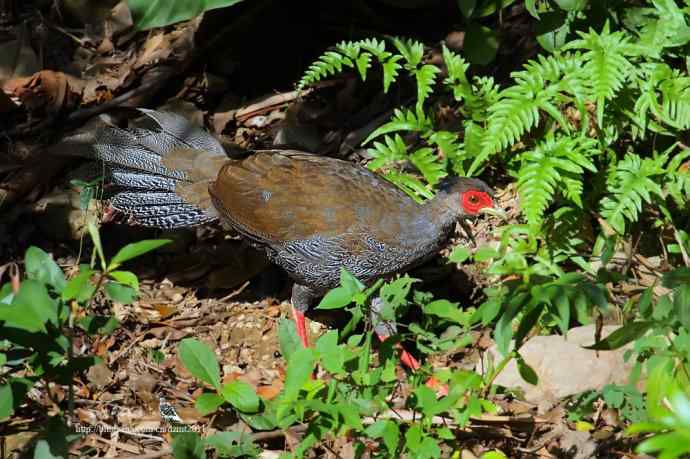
311	214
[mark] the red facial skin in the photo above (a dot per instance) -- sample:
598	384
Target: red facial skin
474	200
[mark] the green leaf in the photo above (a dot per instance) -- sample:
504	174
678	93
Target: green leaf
41	267
241	395
467	7
119	293
485	253
446	310
259	421
79	287
624	335
678	276
127	278
420	444
386	429
200	361
350	282
527	372
148	14
54	440
563	308
350	415
488	8
681	305
96	239
299	369
459	254
96	324
481	44
552	30
134	250
232	444
6	402
208	403
31	308
337	298
288	338
572	5
188	445
331	355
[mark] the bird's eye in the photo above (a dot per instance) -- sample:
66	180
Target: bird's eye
474	199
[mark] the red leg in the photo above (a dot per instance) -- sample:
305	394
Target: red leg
301	325
410	362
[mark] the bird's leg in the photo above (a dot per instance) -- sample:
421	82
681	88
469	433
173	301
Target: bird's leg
301	325
384	329
302	298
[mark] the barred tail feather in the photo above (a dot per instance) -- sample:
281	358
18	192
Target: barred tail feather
158	174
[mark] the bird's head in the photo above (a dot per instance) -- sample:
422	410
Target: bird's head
469	197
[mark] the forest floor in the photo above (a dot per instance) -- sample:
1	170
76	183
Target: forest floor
207	284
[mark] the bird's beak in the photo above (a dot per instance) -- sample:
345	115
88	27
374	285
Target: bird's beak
496	212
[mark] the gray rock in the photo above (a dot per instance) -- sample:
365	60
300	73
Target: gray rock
563	366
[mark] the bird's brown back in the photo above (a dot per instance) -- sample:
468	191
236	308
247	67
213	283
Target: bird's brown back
279	196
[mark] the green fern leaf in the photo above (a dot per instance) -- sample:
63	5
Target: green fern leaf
606	63
410	185
677	177
402	120
392	150
675	105
555	163
429	165
349	48
363	63
426	77
390	71
457	77
411	50
377	48
329	63
630	185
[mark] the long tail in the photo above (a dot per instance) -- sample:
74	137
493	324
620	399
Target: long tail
158	174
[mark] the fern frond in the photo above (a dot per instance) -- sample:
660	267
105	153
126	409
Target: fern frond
349	49
363	62
392	149
411	50
376	47
678	177
390	71
675	105
553	162
432	168
410	185
631	183
605	63
426	77
402	120
457	77
329	63
516	112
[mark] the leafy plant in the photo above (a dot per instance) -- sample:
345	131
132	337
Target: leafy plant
148	14
40	316
593	133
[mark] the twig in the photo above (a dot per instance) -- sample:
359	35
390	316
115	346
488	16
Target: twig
156	455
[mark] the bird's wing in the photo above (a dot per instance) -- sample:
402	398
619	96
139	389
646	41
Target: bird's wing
280	196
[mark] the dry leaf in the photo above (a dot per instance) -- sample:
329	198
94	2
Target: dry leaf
99	375
46	90
269	392
165	310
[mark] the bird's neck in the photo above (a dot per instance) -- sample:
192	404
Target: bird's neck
430	225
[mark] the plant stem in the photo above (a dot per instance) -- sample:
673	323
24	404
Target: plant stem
494	374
